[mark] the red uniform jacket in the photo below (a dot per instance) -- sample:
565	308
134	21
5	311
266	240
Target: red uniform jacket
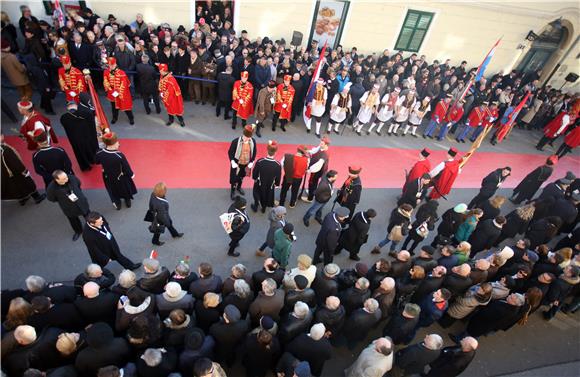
284	96
72	83
119	83
420	168
171	94
445	179
455	114
245	93
33	122
573	138
475	117
553	127
440	111
490	117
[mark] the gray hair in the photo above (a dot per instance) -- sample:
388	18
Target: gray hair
433	342
371	305
109	28
269	287
93	269
152	357
35	283
242	288
127	279
301	310
363	283
239	270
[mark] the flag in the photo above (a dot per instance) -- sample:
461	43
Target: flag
312	88
102	121
506	128
57	13
483	65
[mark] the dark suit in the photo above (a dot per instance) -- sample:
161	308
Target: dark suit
146	75
102	246
327	239
160	207
72	210
489	186
47	160
82	56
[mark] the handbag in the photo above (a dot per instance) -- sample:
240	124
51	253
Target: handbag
423	230
396	234
149	216
226	220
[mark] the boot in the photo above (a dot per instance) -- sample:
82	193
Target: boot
376	250
258	133
232	193
260	253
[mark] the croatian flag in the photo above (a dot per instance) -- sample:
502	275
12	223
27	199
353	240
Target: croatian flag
57	14
312	88
483	66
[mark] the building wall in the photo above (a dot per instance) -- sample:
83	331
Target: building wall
458	31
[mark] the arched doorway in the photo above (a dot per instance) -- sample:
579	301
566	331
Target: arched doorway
544	47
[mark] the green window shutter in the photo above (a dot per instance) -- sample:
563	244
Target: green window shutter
414	29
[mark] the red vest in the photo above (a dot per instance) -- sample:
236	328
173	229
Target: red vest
300	166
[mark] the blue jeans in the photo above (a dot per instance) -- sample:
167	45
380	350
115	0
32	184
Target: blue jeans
316	207
476	133
443	131
463	132
386	241
430	128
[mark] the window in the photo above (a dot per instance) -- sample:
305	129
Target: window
414	30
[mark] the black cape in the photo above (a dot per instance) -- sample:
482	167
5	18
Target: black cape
117	174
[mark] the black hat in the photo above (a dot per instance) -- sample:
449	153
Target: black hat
111	16
452	152
288	229
428	249
425	152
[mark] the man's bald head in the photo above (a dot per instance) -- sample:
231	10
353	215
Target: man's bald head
468	344
91	289
332	302
388	283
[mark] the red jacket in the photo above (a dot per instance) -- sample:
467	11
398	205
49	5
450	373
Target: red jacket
284	96
118	83
35	121
245	93
552	128
440	111
171	94
573	138
455	114
490	117
71	81
475	117
444	181
420	168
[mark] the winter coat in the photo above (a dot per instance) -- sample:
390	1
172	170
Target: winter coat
370	363
466	228
267	305
154	282
102	350
282	248
315	352
357	233
228	336
456	284
354	298
450	222
307	296
360	323
165	306
496	316
514	225
257	358
428	285
484	236
466	304
324	286
291	327
14	70
201	286
333	320
401	329
414	359
385	300
451	362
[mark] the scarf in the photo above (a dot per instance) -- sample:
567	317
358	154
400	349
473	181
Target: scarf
371	99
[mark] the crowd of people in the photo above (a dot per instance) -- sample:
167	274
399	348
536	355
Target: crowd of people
485	268
265	78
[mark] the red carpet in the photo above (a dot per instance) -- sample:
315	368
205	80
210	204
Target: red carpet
199	165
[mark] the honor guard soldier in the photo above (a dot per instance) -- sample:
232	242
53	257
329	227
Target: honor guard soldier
444	175
283	105
242	100
117	85
31	121
266	174
242	153
117	173
349	194
170	94
71	80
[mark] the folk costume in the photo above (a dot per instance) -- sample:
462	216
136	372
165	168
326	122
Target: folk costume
317	167
81	135
386	111
117	173
71	80
555	128
242	100
16	180
318	105
420	109
340	107
370	102
266	174
571	141
452	119
444	175
116	84
528	187
242	153
421	167
491	115
295	167
171	95
47	158
438	116
283	105
32	121
474	120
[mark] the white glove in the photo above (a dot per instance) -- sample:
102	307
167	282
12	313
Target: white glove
250	165
72	94
234	165
115	94
284	106
272	101
161	95
241	101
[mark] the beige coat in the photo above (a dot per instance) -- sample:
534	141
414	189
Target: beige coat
370	363
264	104
14	70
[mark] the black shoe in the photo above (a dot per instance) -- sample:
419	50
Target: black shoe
128	203
318	220
307	131
114	120
306	222
254	207
258	134
263	210
354	257
178	235
227	118
234	254
241	191
148	111
233	126
393	254
117	205
134	266
76	236
158	111
318	136
169	123
182	124
232	194
158	243
40	198
132	122
283	128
